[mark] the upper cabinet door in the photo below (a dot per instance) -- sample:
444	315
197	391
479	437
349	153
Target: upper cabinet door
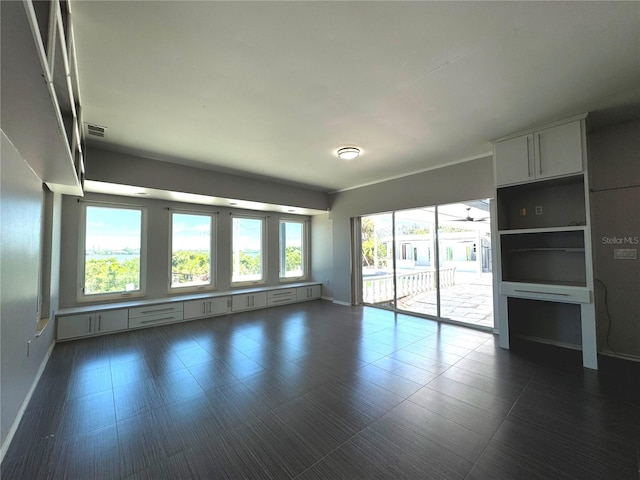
551	152
514	160
559	150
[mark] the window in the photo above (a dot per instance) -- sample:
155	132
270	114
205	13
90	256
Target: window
291	249
247	241
113	259
191	248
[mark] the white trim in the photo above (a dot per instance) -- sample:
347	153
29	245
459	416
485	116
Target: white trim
25	403
344	304
545	126
81	297
213	226
263	250
428	169
305	253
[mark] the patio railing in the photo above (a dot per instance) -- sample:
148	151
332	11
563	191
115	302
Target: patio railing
379	288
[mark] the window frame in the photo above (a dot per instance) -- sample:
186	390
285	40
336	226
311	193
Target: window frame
304	245
82	297
263	250
212	256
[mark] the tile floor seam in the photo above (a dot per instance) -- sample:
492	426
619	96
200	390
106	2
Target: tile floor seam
504	419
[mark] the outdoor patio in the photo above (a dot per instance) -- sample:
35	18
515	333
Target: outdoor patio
469	300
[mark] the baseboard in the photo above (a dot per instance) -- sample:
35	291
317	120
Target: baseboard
25	403
621	356
344	304
330	299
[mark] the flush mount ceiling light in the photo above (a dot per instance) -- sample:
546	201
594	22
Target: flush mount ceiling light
348	153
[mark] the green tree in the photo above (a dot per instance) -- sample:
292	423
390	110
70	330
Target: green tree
250	264
190	265
106	275
414	229
293	259
370	243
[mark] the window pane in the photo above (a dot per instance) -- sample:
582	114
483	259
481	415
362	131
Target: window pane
415	275
377	260
466	283
112	250
291	253
247	249
190	250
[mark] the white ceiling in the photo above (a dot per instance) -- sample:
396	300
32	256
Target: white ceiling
274	88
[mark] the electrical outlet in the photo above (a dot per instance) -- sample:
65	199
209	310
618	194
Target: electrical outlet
538	209
625	254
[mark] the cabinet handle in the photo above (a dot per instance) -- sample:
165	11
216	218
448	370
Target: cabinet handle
209	306
539	153
90	324
158	319
99	322
528	158
204	307
247	301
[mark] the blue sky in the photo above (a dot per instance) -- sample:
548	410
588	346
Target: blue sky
113	228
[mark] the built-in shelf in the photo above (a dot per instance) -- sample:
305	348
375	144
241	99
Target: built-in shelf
557	203
544	241
41	67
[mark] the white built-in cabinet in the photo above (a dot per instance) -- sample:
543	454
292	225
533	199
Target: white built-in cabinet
308	293
95	323
97	320
281	296
543	247
545	153
248	301
206	307
155	314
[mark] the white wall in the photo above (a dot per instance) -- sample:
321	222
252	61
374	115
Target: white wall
20	217
322	252
464	181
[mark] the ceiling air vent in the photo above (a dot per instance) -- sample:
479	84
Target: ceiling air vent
96	130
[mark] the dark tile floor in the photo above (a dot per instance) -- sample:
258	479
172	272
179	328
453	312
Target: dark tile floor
320	391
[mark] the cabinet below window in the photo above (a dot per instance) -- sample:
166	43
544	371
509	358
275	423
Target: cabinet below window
281	296
207	307
155	314
248	301
309	293
100	319
95	323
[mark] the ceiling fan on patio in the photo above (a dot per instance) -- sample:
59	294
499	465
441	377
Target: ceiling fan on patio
469	218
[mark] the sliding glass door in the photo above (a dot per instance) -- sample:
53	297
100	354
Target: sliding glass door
432	261
377	260
464	243
416	266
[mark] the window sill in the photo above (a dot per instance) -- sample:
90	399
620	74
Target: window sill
41	325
